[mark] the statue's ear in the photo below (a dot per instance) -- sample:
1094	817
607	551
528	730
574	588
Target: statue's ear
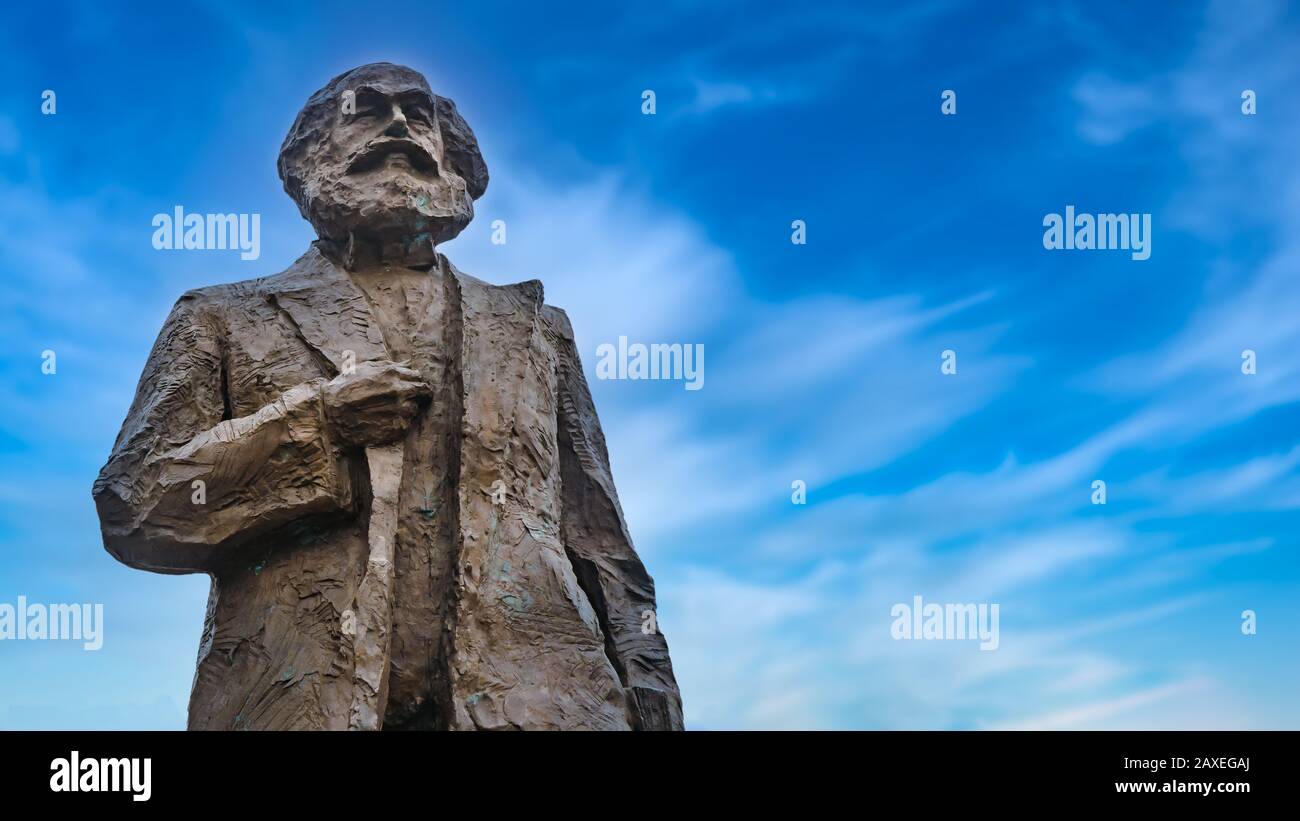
461	148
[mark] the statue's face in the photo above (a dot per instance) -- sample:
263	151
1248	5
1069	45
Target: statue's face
368	159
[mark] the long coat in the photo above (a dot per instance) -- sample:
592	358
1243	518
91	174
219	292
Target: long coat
539	614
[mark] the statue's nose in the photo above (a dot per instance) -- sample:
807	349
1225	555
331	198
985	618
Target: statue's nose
398	127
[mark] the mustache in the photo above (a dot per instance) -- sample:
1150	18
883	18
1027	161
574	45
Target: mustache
376	151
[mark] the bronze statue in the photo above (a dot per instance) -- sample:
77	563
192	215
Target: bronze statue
392	472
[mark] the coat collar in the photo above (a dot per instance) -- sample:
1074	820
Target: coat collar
333	316
327	310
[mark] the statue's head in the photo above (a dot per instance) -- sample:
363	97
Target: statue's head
376	155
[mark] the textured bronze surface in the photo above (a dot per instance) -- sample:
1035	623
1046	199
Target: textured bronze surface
393	472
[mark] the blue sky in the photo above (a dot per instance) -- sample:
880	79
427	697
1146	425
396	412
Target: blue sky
822	360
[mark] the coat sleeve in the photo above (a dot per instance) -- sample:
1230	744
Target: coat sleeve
600	548
185	483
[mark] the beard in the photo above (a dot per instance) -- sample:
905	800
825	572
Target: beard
390	204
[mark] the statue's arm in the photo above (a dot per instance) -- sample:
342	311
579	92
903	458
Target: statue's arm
184	483
600	547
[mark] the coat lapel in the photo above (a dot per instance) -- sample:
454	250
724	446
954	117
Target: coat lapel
333	318
500	387
328	312
515	589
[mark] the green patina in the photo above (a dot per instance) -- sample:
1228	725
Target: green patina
421	204
429	510
517	604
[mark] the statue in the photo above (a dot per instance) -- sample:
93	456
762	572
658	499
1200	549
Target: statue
392	471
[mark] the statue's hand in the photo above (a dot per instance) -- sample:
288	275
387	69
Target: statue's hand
374	404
